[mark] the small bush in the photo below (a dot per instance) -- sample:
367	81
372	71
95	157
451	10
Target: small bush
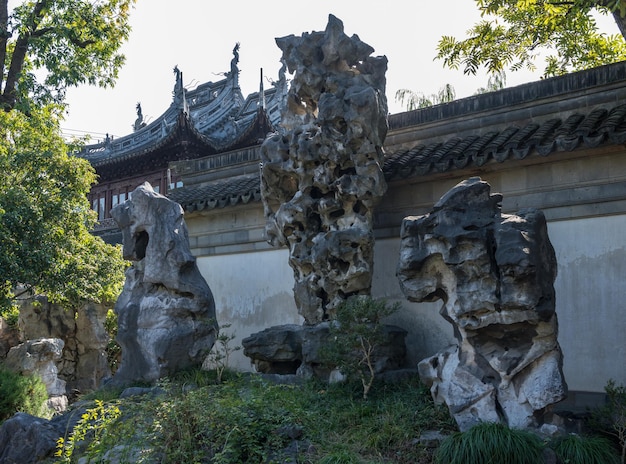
356	336
573	449
10	313
247	419
610	419
490	443
219	357
224	425
19	393
95	423
340	457
113	349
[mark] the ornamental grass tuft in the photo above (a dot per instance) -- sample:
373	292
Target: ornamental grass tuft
584	449
490	443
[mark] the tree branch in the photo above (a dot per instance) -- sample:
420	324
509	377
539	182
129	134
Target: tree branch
8	97
67	33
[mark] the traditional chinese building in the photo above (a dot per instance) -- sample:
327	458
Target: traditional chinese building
213	121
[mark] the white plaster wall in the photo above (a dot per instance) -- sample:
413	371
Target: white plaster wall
252	291
428	331
591	299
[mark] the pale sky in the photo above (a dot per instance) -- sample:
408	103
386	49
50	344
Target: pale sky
198	36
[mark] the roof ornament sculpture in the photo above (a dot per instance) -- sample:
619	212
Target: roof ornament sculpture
261	102
139	122
282	72
234	70
178	86
180	97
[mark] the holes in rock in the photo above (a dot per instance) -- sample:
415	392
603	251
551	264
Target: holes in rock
322	295
345	171
316	193
359	208
285	367
337	214
340	264
141	243
314	222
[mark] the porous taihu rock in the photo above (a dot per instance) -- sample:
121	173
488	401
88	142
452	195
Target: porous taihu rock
495	274
321	173
166	311
296	349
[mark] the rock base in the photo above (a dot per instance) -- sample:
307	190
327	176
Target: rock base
296	350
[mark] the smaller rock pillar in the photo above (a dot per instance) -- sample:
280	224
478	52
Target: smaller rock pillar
495	274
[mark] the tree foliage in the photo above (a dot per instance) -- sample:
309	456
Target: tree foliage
514	34
48	45
411	100
415	100
45	218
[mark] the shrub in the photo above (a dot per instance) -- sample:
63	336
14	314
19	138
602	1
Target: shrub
340	457
589	450
489	443
219	357
356	336
247	419
221	424
610	419
10	313
113	349
94	424
19	393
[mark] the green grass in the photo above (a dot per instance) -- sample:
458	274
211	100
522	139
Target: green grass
244	419
572	449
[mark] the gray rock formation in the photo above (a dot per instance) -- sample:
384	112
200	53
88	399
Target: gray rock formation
321	175
166	311
26	439
294	349
40	357
83	364
9	337
495	275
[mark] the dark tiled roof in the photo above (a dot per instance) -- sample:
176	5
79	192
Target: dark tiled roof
241	190
575	87
579	130
599	126
214	114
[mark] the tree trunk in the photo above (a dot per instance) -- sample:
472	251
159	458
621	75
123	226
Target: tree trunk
9	95
620	21
4	36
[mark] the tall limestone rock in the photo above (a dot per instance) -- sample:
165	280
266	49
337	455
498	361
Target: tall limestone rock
166	311
322	173
495	275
